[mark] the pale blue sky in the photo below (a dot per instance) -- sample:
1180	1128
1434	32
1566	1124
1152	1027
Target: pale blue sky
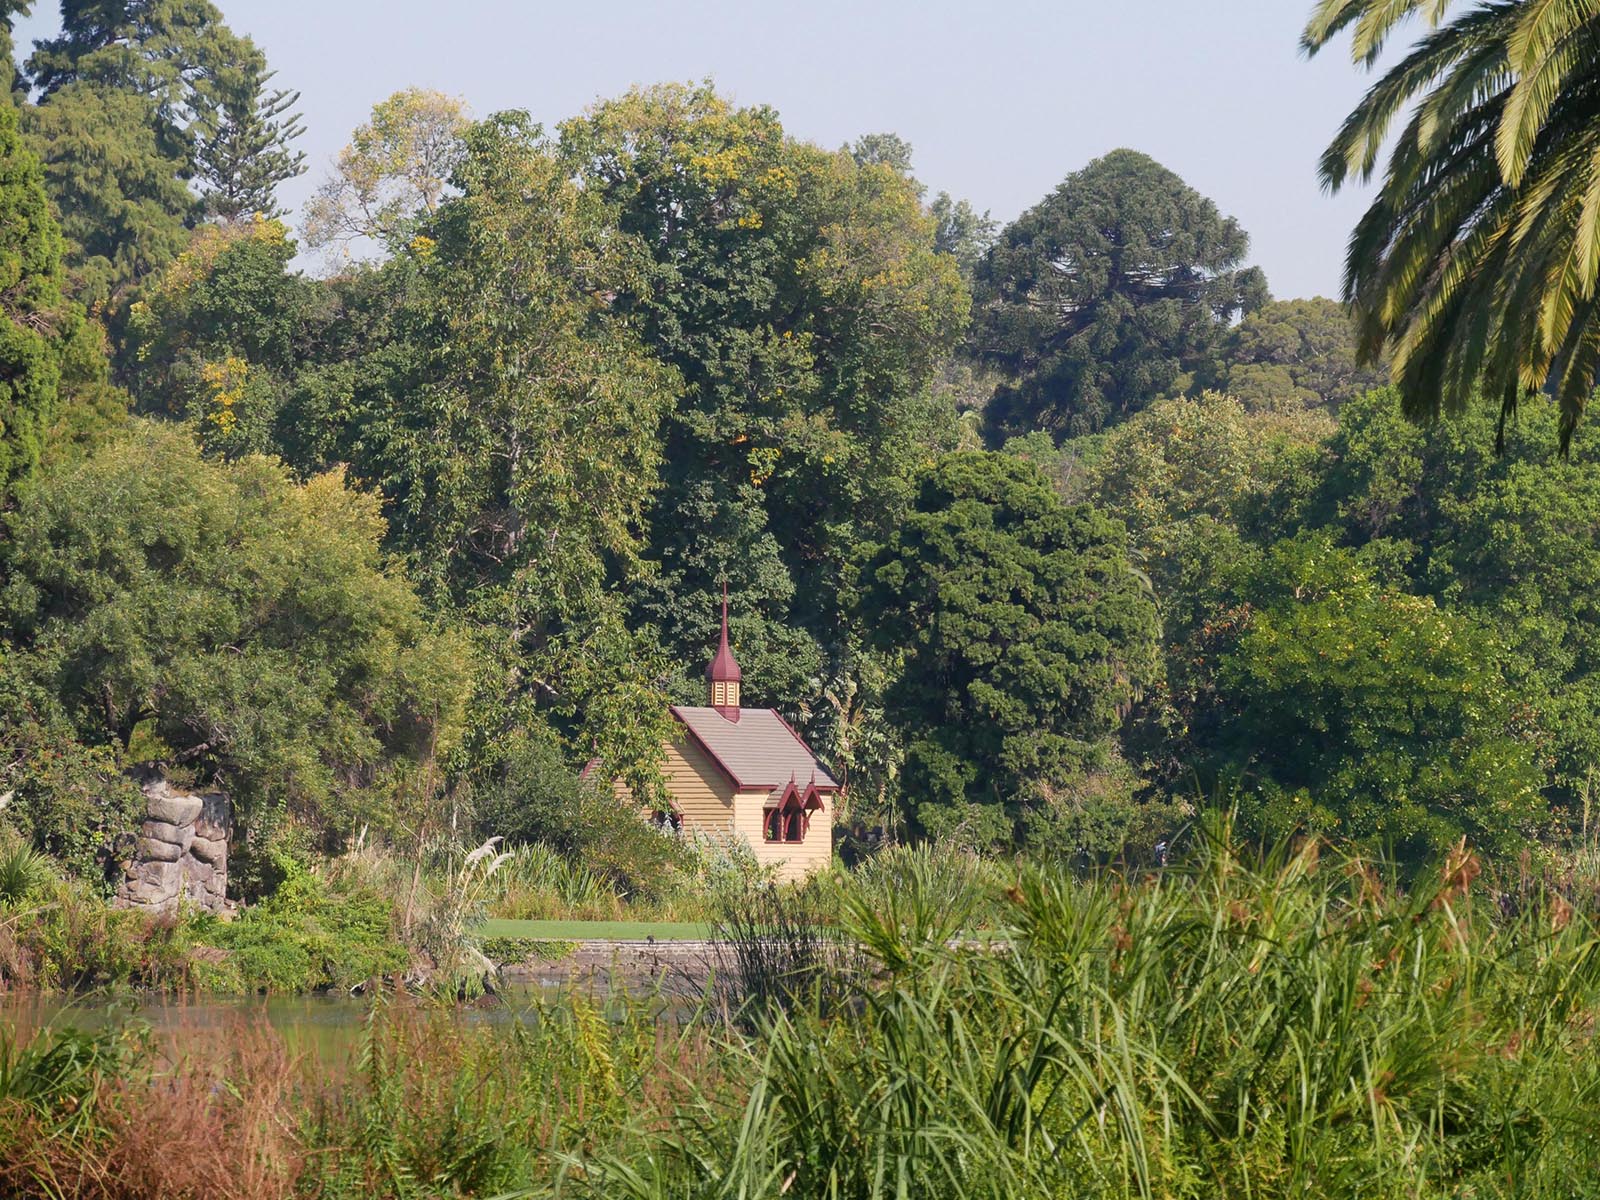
1000	100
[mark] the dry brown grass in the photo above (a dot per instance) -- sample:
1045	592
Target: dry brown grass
196	1126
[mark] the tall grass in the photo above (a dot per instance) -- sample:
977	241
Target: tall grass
538	883
776	948
1245	1025
1260	1027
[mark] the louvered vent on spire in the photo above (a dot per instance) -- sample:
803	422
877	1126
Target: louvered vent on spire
723	677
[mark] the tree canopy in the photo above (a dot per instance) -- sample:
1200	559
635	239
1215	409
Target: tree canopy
143	107
248	628
395	168
1363	712
799	296
33	315
1026	633
1097	300
1299	352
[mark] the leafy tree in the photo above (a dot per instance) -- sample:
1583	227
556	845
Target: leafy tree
1359	711
246	628
509	416
1477	262
179	53
91	407
1206	456
1295	352
882	150
1201	485
1025	632
212	339
240	163
799	297
11	80
1509	537
70	800
35	317
961	232
395	167
1097	300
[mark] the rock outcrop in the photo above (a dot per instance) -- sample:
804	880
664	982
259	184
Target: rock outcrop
181	852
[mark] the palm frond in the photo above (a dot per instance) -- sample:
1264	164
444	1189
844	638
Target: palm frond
1477	265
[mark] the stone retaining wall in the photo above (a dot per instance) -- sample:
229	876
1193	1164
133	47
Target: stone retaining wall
181	851
632	964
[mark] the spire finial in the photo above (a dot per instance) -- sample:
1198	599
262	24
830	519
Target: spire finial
723	675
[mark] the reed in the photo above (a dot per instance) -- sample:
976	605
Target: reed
1263	1025
1278	1025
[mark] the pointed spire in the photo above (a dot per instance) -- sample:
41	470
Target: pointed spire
723	675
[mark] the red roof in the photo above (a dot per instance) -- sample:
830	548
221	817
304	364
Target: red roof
759	750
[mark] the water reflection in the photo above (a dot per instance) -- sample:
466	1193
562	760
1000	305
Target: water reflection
323	1027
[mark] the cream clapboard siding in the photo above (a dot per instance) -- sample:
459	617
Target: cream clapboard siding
794	860
707	800
703	794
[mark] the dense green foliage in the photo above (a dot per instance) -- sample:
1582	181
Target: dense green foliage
137	100
1025	634
246	627
1371	713
391	553
800	298
1098	299
33	314
1294	352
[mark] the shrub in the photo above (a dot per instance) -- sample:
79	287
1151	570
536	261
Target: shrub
71	801
534	795
312	936
71	940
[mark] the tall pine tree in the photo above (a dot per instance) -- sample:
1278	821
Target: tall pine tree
240	163
137	100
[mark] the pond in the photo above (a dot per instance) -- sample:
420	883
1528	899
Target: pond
324	1027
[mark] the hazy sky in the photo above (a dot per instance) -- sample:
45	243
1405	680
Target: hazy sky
1000	100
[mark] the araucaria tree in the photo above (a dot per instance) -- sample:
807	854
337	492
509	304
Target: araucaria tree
1096	300
247	151
137	99
1477	264
1025	632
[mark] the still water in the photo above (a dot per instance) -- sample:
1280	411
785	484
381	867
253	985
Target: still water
319	1027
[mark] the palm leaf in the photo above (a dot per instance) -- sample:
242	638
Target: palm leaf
1477	264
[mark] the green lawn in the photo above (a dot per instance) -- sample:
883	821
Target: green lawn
579	931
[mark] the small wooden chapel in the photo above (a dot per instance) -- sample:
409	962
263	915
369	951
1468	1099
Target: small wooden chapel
746	771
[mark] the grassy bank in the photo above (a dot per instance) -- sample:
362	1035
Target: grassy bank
363	919
1290	1027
